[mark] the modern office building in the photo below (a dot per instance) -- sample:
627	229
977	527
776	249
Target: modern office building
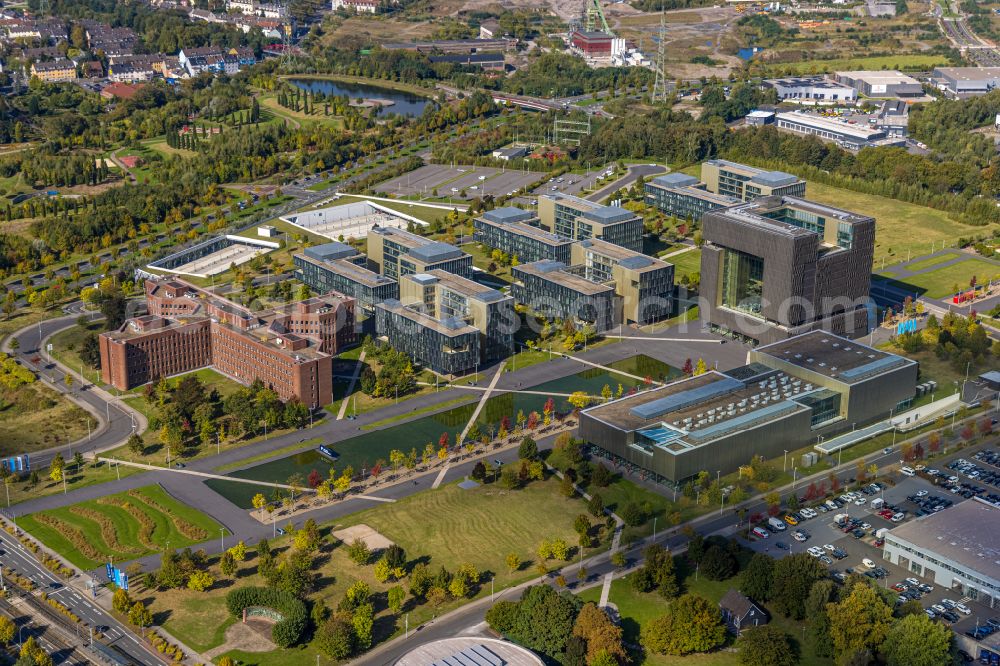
723	183
516	232
776	267
967	81
398	252
889	83
290	349
605	285
448	323
684	197
956	549
817	90
788	394
578	219
832	129
339	267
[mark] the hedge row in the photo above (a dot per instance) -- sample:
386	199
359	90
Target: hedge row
284	633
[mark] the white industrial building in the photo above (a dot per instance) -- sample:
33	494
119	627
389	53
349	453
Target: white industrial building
814	90
957	548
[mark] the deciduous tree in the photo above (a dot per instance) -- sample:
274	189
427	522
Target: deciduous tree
916	640
766	646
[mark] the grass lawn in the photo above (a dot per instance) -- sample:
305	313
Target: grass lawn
901	62
638	608
91	474
160	146
480	526
443	527
66	345
154	520
895	222
270	104
943	281
685	264
471	397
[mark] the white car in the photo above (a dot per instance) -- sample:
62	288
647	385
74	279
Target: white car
482	177
860	501
808	513
897	518
816	551
921	493
913	581
868	563
963	609
799	536
829	546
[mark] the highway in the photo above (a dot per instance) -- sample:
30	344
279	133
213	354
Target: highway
16	557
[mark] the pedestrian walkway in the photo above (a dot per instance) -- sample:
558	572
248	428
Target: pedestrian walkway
610	369
350	387
204	475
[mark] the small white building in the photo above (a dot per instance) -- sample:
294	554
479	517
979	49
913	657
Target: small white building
359	6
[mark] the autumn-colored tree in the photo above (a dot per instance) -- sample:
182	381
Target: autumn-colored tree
601	634
860	621
688	368
579	399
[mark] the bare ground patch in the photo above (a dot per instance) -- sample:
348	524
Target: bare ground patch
372	539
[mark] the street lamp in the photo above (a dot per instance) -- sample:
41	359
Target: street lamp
784	462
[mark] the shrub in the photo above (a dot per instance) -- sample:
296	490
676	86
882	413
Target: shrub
284	633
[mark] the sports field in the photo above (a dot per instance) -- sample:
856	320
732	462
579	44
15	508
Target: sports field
123	526
901	62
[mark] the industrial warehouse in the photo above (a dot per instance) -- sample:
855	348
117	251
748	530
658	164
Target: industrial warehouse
787	395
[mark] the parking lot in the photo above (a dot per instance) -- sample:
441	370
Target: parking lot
928	491
459	182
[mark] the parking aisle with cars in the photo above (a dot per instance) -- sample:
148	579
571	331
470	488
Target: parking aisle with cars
846	533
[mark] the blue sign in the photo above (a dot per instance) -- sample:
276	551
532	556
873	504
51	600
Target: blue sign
908	326
121	579
16	464
110	570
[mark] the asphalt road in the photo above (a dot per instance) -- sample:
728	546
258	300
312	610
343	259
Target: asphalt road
117	423
25	564
634	171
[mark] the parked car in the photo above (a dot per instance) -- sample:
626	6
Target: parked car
868	563
760	533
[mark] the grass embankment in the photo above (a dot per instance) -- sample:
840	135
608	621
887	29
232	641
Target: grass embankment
913	63
123	526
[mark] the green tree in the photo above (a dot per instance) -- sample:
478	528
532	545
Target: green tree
7	630
693	625
916	640
794	576
822	593
363	621
513	562
135	445
758	577
139	615
596	505
528	449
200	581
227	564
395	597
121	601
335	638
859	622
718	564
766	645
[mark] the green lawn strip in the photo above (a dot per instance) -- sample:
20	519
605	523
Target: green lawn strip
423	410
930	261
126	527
942	281
685	263
902	62
91	475
291	448
190	514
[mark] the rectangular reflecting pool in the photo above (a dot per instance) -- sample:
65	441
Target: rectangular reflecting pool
364	450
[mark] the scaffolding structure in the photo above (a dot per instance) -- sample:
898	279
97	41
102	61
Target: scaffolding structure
593	17
570	132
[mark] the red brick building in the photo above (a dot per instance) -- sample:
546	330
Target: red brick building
290	349
592	43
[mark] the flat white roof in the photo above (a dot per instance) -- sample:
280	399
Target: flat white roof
829	124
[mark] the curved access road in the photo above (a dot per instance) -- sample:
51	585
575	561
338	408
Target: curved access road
117	421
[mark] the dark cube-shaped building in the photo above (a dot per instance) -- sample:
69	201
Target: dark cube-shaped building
777	267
